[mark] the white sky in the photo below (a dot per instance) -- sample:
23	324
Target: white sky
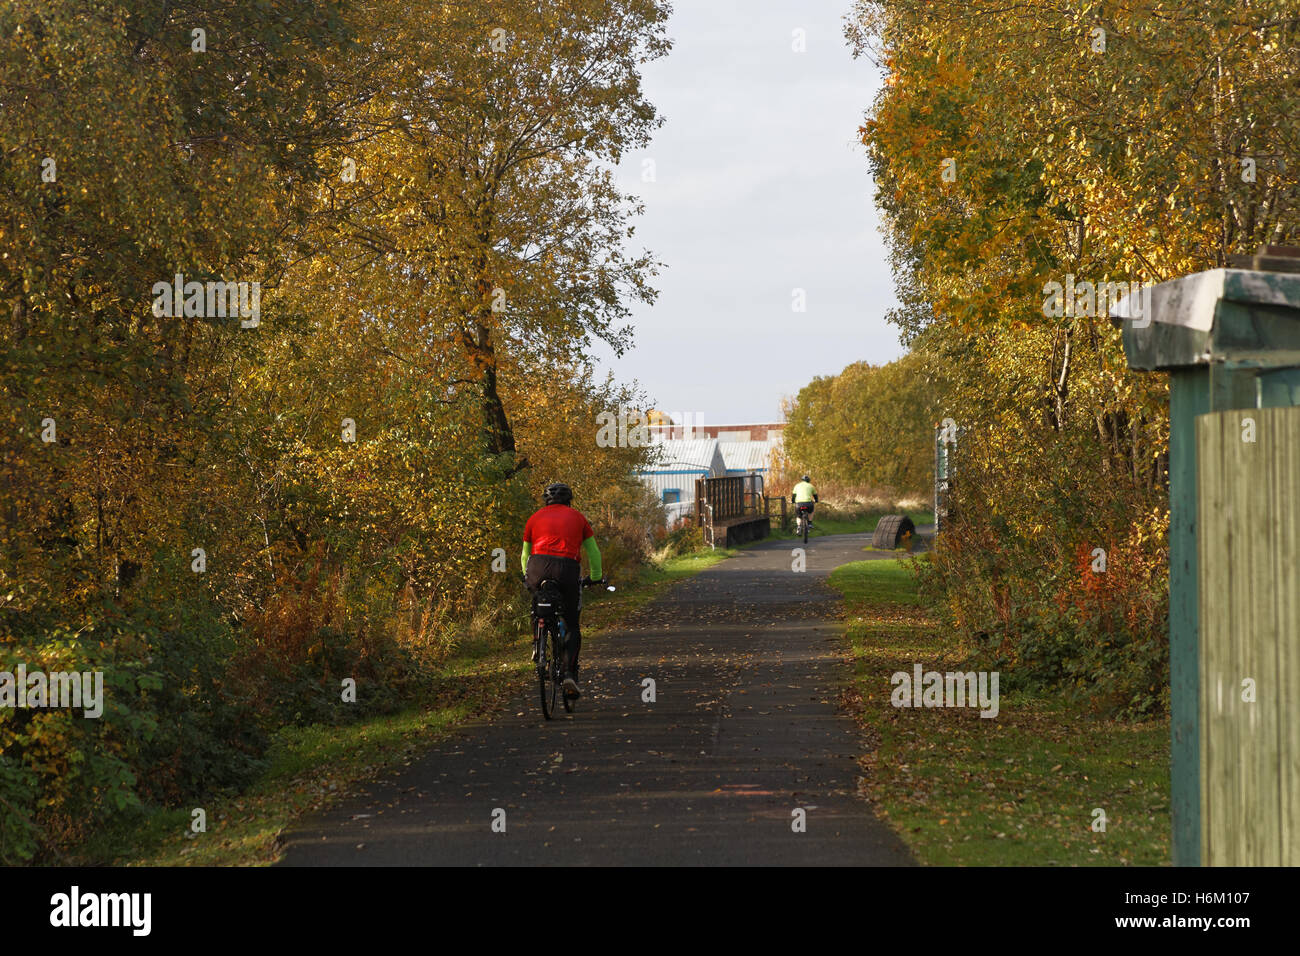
761	187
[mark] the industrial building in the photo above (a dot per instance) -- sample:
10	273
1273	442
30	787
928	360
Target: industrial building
714	452
748	457
681	462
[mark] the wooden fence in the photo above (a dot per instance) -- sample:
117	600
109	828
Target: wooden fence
732	509
724	498
1248	555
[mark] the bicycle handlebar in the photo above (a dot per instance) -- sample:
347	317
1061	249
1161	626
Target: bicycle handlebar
586	582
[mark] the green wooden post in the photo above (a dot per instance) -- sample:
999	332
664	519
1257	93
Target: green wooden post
1189	396
1230	339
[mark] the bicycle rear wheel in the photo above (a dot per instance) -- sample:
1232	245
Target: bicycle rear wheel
546	672
804	521
559	674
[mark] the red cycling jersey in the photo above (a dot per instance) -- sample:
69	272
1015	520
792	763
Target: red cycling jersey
557	530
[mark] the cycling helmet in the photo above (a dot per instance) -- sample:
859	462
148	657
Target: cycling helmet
558	494
806	478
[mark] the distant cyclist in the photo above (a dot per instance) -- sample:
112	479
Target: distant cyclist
804	497
553	538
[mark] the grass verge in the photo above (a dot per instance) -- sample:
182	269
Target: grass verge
1021	788
311	766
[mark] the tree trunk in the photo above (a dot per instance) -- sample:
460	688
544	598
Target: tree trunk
499	435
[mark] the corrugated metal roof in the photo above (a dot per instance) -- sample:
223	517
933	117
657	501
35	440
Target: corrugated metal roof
747	455
679	454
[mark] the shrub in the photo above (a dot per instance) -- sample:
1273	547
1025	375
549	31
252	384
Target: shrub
1013	576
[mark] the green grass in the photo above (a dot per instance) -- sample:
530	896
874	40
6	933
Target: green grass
311	766
870	583
1016	789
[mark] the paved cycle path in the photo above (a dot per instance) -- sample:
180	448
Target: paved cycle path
747	659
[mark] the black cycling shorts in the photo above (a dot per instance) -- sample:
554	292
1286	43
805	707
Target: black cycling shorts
565	572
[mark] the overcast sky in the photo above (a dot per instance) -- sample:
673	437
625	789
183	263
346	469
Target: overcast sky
760	188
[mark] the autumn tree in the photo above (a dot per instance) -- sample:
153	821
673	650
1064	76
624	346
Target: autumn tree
868	427
221	511
1017	146
484	216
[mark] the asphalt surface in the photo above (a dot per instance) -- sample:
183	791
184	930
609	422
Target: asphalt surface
747	660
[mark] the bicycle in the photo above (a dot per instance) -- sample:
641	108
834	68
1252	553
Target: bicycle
803	521
550	637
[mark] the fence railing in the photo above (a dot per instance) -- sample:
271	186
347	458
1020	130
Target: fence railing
729	497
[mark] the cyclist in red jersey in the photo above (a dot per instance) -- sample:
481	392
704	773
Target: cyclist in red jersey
554	537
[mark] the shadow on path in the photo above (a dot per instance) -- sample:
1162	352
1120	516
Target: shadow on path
747	660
